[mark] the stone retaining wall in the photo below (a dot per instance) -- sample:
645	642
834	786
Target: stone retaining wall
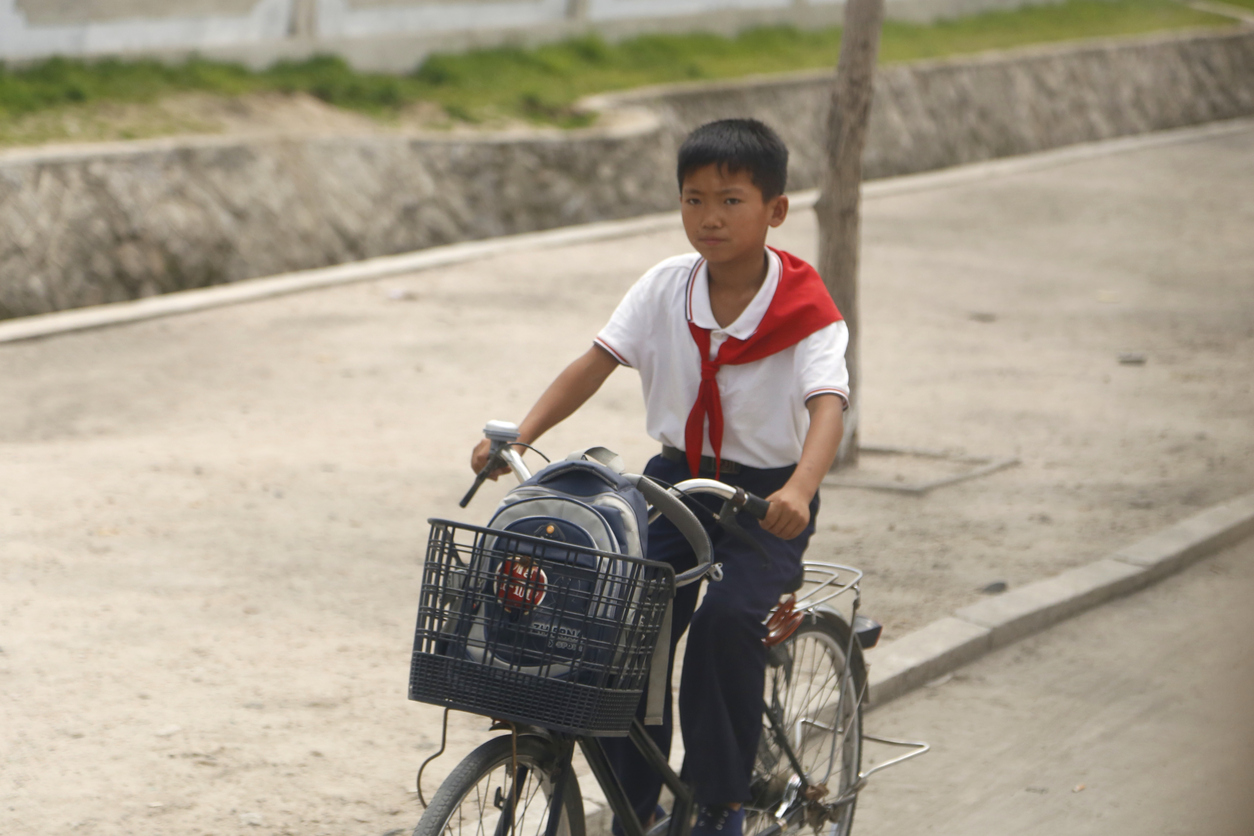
101	224
936	114
82	228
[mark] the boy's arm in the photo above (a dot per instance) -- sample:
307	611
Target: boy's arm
790	505
577	382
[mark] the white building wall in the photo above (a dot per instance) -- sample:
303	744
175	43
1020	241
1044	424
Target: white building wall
387	34
348	19
636	9
113	33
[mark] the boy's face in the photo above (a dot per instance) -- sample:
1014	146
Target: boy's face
724	214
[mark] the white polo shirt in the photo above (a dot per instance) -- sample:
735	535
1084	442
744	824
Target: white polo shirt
764	413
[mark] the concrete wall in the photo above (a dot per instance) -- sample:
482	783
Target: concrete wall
80	227
85	228
389	34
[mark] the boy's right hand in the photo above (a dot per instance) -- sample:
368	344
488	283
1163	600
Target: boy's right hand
479	460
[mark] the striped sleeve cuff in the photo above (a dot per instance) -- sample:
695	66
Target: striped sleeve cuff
828	390
613	353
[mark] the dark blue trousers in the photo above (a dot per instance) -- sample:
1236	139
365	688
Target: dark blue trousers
720	693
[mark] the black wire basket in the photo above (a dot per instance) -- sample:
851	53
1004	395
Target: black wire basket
534	630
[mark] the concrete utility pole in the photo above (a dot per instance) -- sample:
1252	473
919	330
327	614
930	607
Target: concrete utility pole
303	21
838	206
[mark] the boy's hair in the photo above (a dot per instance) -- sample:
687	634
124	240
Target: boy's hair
738	145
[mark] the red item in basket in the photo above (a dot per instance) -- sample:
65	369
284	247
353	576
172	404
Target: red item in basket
520	584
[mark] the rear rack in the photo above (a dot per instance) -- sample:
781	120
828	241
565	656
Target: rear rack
825	581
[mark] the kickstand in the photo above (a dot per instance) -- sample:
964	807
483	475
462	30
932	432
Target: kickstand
443	740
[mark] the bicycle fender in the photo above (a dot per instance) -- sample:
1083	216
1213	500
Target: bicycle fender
857	661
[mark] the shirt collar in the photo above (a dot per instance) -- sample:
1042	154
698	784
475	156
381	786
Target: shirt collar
702	315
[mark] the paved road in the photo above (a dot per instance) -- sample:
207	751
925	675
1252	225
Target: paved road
1136	718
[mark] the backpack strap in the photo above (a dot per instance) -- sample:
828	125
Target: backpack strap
601	455
656	701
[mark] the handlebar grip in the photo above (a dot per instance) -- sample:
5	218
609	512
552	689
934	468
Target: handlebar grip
494	461
480	478
753	505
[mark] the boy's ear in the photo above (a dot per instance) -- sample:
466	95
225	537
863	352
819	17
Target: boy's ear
777	209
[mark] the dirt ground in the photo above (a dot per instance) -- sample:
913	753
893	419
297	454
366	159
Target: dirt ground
211	525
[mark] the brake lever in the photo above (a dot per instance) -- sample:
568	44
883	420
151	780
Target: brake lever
726	519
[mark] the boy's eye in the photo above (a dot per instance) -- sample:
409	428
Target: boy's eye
733	200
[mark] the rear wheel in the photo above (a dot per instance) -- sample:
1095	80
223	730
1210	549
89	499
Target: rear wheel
475	799
811	699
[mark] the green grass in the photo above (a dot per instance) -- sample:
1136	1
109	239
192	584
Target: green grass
1247	4
1040	24
61	81
542	84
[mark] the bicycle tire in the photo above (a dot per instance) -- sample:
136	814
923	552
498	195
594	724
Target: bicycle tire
804	679
460	806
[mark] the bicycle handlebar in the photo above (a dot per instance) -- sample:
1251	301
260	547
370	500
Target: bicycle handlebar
681	515
502	434
666	501
754	505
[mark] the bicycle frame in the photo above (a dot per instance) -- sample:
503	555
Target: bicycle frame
822	584
684	803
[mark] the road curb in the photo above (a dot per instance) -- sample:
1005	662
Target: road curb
251	290
949	643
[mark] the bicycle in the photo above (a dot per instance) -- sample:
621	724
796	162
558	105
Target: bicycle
808	766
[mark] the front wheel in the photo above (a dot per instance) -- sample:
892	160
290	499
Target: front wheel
812	701
481	798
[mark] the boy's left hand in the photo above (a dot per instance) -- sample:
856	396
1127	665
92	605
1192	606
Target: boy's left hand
789	513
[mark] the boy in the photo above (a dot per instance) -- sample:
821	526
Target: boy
740	351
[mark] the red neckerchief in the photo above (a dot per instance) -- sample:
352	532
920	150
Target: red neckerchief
801	305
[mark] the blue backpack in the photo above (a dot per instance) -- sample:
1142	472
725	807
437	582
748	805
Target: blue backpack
553	608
